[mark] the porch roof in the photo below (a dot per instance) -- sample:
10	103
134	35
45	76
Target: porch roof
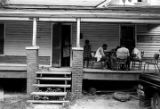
111	14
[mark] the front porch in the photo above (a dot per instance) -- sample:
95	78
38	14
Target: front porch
14	70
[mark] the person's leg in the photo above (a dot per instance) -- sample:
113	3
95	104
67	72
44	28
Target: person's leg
128	63
103	60
107	63
84	63
87	62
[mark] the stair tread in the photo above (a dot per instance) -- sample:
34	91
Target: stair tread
52	78
47	101
53	72
51	85
49	93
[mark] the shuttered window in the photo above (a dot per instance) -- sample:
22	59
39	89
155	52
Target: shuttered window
1	38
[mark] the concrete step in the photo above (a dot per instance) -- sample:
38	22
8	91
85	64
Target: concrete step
47	101
49	93
52	85
49	78
53	72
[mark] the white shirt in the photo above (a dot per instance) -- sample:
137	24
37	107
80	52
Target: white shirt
137	53
99	53
122	53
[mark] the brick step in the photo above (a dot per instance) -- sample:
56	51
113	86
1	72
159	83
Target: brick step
47	101
53	72
49	93
49	78
52	85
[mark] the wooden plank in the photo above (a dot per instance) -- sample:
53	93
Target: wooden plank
57	2
12	67
46	101
112	77
52	85
12	74
49	93
53	72
106	71
58	79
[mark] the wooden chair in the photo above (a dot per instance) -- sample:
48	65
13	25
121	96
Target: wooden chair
121	63
139	61
154	62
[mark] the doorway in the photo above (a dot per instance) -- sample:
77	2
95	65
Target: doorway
127	37
1	38
61	45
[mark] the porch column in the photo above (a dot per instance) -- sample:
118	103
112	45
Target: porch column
34	38
78	33
32	59
77	65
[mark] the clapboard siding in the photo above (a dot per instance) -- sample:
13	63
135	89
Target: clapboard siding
148	39
44	38
18	35
56	2
98	33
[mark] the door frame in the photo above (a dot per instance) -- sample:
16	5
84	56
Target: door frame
52	24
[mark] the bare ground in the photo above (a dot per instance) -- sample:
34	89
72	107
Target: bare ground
86	102
103	102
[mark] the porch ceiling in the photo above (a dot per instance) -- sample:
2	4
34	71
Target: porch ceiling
141	14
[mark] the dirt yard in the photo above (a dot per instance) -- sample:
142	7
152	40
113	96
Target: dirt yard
105	101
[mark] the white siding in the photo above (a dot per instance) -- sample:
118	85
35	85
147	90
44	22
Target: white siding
18	35
98	34
44	38
57	2
149	36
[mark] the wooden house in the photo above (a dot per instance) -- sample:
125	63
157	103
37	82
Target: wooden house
37	33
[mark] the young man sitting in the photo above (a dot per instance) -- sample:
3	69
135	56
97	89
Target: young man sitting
100	55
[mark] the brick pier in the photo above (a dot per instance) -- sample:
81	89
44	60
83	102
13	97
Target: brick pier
32	66
77	71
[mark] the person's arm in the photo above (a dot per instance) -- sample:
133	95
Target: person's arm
102	52
128	53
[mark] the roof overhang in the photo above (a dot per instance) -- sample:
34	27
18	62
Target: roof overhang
85	15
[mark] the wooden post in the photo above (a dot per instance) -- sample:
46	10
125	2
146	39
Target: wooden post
34	39
78	33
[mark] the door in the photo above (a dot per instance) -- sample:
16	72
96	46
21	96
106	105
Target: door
61	45
1	38
128	36
56	45
66	45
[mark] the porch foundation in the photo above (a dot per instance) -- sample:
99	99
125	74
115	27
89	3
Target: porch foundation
32	66
77	71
